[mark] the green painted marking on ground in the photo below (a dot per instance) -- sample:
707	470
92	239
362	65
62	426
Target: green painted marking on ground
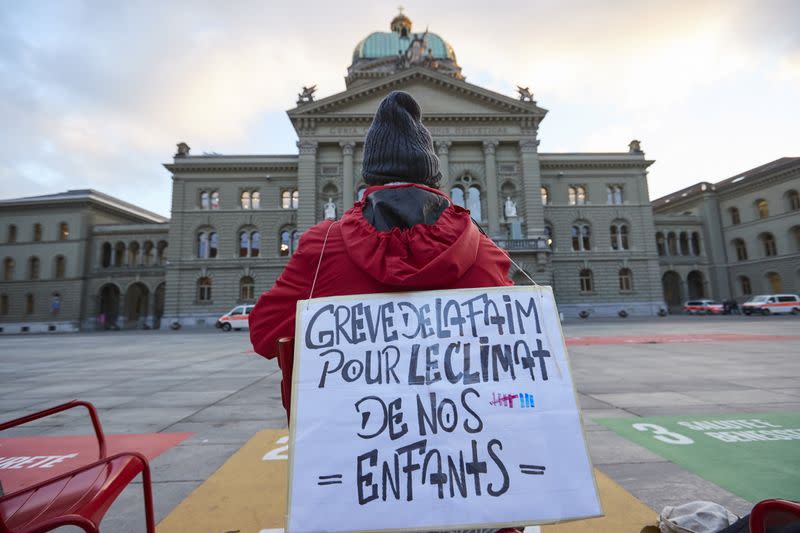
753	455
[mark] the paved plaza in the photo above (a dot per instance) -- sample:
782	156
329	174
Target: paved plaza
210	383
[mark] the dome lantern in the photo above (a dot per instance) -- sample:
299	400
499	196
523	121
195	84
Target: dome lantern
401	24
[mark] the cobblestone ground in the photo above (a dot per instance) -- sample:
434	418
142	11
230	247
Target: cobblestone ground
211	384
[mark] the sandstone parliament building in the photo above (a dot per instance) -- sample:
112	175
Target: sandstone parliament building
581	222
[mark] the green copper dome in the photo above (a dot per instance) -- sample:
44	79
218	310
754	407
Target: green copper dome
386	44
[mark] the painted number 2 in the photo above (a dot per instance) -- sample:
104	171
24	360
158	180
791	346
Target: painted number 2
663	434
278	454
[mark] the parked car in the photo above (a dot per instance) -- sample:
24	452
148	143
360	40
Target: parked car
702	307
767	304
236	318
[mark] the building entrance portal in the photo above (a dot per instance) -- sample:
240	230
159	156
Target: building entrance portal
696	285
109	307
671	283
136	300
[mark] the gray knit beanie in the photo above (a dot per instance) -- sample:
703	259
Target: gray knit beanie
398	147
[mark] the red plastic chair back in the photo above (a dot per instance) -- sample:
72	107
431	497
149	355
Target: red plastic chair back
285	362
774	513
79	497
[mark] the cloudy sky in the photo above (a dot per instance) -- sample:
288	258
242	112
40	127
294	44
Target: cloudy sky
97	94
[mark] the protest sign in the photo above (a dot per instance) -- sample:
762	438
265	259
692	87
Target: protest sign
434	410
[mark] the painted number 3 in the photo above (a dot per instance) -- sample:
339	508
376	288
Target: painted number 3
279	453
663	434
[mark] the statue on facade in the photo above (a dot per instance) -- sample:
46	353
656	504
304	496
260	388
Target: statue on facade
510	208
330	210
635	146
525	95
183	150
306	95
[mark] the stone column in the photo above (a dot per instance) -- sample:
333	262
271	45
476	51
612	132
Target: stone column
306	184
532	183
347	175
492	202
442	151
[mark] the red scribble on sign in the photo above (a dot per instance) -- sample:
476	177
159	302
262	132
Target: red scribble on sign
25	461
506	400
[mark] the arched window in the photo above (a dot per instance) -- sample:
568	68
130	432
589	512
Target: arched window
12	234
295	199
37	232
204	289
474	203
63	231
33	268
744	286
119	254
581	237
290	199
587	280
288	241
795	231
695	243
60	267
614	193
249	243
770	249
161	252
255	200
741	249
661	244
775	283
247	288
3	304
684	241
245	200
244	243
29	304
577	195
672	243
763	208
147	255
734	213
545	192
457	195
215	200
625	279
133	254
205	200
793	200
207	244
619	237
105	255
8	269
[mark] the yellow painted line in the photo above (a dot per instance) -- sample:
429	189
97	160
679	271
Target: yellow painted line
248	495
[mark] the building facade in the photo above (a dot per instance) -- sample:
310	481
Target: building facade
581	222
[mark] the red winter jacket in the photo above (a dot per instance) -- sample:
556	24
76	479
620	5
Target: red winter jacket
449	253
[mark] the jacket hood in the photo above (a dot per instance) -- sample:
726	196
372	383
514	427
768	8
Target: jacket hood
414	253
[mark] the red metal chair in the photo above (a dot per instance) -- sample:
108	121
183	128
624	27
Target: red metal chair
285	362
774	513
79	497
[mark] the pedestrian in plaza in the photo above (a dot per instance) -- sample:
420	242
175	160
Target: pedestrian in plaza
403	235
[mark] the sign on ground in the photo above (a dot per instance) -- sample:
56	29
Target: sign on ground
753	455
435	410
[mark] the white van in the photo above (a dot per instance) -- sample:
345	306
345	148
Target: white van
767	304
236	318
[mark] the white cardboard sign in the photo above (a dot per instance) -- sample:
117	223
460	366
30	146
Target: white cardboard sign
435	410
